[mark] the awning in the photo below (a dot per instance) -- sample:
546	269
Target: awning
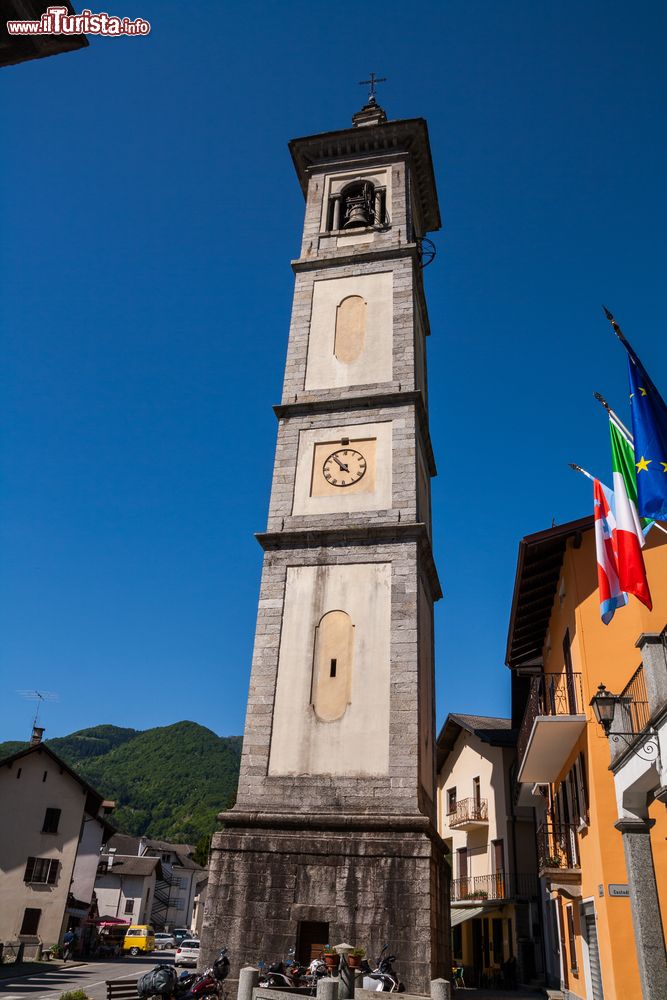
460	915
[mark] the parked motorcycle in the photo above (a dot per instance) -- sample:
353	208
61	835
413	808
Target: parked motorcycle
192	985
288	974
162	982
382	979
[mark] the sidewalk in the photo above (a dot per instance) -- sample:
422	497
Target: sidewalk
10	971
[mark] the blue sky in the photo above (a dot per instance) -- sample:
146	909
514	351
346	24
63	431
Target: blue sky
150	211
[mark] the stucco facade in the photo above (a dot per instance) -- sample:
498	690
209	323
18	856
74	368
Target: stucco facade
497	936
559	657
53	825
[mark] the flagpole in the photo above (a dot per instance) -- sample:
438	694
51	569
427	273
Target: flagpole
578	468
615	327
615	417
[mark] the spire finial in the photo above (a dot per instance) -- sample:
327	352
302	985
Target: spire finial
372	83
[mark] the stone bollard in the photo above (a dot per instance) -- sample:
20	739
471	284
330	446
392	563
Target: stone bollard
346	987
248	979
440	989
327	988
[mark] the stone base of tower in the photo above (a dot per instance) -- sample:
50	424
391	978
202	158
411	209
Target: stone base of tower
279	881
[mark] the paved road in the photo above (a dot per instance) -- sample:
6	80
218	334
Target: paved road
91	977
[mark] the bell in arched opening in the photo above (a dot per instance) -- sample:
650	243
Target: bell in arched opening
358	205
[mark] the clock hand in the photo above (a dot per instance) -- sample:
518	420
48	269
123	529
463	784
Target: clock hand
340	464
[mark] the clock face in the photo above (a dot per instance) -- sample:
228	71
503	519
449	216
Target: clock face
344	467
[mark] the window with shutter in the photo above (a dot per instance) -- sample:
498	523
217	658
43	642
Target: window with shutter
42	870
51	820
30	920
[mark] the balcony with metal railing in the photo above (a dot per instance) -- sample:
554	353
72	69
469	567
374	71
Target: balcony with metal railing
558	855
479	890
553	721
469	814
634	703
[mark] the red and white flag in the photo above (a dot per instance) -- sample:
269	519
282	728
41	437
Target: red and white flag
611	594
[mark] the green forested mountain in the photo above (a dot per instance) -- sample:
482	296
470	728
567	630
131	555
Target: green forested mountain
168	782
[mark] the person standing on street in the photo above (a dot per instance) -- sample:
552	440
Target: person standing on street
68	944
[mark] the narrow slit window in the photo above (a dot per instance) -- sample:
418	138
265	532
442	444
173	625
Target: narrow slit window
332	671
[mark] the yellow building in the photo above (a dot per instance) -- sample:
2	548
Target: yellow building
601	834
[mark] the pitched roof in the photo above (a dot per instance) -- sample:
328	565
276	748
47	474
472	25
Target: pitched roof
164	845
94	800
124	864
124	844
493	730
537	573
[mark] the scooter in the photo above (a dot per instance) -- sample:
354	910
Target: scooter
382	979
288	974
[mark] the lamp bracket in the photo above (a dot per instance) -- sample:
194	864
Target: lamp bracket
647	747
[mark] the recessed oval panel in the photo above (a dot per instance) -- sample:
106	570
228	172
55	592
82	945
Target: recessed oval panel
332	666
350	329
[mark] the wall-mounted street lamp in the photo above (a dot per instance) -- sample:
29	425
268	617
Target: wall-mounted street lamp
604	704
644	744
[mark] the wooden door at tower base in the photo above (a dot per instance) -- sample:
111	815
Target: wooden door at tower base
312	939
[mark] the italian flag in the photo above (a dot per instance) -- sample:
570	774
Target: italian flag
628	536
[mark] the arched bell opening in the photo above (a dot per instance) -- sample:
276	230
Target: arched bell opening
360	205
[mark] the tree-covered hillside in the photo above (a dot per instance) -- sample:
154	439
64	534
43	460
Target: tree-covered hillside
168	782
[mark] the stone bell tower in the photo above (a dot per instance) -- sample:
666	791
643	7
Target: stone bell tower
333	835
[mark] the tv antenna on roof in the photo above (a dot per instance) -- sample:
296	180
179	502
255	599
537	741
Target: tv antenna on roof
40	697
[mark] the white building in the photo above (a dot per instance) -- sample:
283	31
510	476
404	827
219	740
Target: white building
177	881
53	827
125	887
496	917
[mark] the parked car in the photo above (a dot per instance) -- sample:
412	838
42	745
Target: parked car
187	952
180	933
163	941
139	938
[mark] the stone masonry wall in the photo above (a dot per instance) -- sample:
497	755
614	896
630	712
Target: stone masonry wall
371	887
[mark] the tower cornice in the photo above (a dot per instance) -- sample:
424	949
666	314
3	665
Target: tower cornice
361	534
360	255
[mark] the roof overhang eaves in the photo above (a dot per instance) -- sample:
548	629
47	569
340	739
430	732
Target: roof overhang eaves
535	588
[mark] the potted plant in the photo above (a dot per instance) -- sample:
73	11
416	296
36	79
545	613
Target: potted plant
552	861
355	957
331	958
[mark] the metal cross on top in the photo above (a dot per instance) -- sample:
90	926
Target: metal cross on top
374	80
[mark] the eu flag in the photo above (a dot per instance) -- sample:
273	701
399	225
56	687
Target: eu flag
649	427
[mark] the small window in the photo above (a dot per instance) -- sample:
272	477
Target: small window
332	670
129	907
572	945
18	773
476	792
44	776
451	801
30	921
43	871
51	820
